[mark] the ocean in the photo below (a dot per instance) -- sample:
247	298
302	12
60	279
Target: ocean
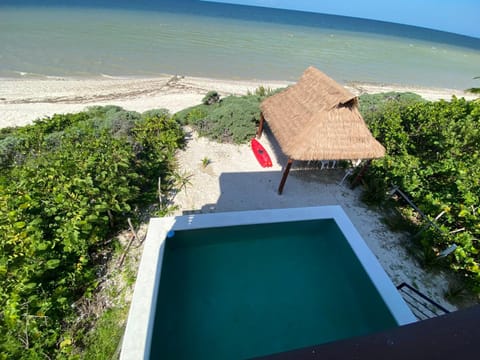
148	38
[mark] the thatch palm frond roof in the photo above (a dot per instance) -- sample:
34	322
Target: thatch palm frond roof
318	119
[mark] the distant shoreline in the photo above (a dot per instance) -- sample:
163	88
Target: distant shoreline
22	100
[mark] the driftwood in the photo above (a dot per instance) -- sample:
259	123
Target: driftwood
132	237
160	202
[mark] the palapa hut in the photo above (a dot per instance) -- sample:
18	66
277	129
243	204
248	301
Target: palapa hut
318	119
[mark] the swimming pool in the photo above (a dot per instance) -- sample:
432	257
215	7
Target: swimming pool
246	284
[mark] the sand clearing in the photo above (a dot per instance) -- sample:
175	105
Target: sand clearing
233	180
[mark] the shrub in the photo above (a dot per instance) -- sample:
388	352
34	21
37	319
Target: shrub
66	183
212	97
233	119
375	104
433	155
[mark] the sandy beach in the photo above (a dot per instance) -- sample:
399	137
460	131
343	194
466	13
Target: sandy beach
233	180
24	100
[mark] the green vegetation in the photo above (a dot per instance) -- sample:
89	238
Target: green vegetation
212	97
104	340
433	156
474	90
206	161
67	183
372	105
232	119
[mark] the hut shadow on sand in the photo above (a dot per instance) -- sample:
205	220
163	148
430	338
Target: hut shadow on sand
256	190
241	191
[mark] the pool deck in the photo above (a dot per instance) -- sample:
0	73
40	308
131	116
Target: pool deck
137	338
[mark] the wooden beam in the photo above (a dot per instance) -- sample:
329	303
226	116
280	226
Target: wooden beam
285	175
260	126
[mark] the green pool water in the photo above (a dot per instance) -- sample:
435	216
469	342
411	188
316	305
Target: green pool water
245	291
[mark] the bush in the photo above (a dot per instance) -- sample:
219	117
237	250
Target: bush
212	97
67	183
433	155
232	119
375	104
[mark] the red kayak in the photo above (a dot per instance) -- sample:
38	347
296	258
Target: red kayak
261	154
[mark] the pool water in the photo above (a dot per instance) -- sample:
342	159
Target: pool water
243	291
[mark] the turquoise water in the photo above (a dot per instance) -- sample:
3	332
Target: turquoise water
226	41
246	291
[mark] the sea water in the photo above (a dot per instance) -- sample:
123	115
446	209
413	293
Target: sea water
149	38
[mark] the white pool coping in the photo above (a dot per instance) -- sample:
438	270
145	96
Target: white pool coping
138	333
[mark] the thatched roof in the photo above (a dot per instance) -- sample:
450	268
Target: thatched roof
318	119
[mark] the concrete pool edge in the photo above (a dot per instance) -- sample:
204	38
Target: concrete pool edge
138	332
387	290
136	342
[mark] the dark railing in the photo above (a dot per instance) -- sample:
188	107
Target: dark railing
422	306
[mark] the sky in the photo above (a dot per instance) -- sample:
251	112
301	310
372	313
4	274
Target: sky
457	16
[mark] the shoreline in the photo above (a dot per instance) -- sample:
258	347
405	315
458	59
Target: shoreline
24	100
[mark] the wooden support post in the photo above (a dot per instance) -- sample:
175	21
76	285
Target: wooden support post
285	175
260	126
360	174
